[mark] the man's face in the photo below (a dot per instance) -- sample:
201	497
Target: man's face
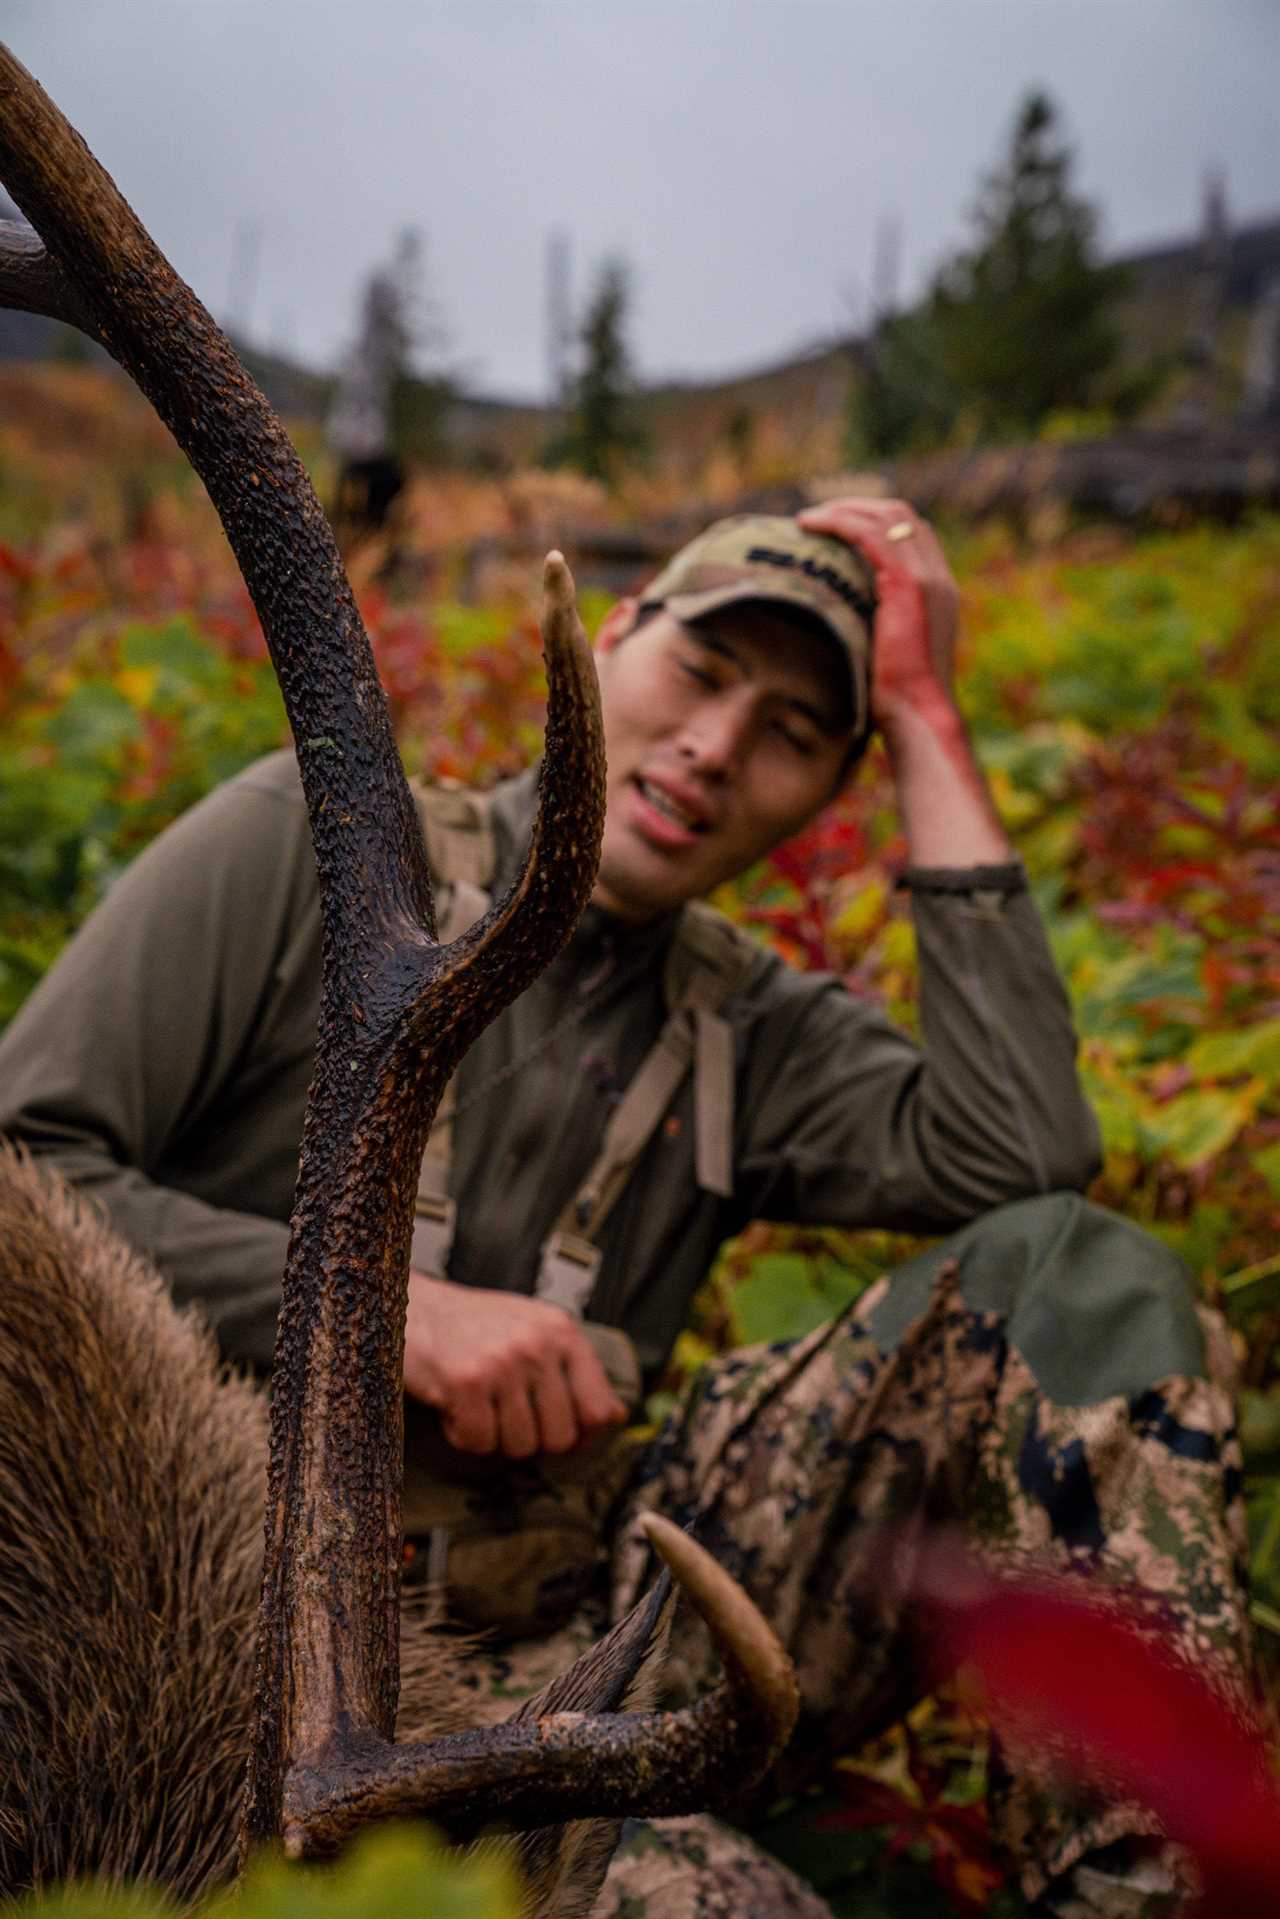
723	738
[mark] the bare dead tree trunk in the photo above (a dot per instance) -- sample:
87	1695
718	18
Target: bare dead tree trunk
398	1011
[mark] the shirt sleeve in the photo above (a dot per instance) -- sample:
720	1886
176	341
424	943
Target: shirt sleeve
126	1051
846	1121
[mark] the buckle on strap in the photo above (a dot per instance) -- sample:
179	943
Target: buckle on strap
433	1227
567	1271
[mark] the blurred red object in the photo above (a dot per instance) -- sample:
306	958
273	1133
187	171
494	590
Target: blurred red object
1093	1680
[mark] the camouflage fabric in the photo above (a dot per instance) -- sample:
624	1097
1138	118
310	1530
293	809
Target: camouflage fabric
699	1869
789	1462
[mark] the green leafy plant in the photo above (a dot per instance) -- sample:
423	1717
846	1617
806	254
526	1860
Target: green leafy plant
387	1872
1124	698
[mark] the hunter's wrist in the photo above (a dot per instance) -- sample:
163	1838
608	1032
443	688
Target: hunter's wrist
927	708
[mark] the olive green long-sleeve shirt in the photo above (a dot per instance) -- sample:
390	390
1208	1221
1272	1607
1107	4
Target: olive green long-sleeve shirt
163	1065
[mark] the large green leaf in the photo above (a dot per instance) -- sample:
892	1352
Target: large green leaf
1198	1125
388	1873
785	1296
96	1902
1226	1055
95	722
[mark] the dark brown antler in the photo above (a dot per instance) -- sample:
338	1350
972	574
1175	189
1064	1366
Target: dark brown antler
32	281
398	1010
572	1765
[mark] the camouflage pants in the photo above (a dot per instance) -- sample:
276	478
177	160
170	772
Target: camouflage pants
1062	1401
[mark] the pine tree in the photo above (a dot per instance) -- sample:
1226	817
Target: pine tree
388	400
422	388
601	431
1018	326
1023	321
900	399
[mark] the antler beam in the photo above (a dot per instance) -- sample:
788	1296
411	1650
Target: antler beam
397	1009
397	1012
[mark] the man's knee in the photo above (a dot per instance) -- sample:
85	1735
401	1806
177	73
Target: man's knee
696	1868
1096	1306
1134	1879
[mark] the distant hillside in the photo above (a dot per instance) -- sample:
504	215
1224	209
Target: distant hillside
788	416
1157	311
770	422
1253	255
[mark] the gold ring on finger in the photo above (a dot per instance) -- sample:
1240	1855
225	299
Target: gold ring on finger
900	530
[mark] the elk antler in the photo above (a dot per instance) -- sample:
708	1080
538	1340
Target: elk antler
397	1009
31	281
573	1765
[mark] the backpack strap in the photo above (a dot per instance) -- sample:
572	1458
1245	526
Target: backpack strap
709	959
457	826
458	829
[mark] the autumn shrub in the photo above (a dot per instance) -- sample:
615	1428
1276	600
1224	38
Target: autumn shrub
1125	699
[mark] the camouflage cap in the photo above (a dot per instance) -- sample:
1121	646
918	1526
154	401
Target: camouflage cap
759	556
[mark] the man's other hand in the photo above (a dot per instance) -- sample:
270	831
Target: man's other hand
947	812
508	1374
913	655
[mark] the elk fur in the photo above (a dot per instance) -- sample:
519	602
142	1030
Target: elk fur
132	1468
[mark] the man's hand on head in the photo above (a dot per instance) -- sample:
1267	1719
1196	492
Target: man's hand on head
947	812
913	656
508	1374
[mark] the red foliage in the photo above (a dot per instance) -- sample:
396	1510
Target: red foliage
922	1819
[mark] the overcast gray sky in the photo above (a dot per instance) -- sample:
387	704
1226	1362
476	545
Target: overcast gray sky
739	152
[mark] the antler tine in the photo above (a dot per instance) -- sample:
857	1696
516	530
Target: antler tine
578	1765
570	817
506	949
33	282
758	1668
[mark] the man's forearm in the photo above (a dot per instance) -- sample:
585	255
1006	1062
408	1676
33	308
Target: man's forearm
944	803
943	799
